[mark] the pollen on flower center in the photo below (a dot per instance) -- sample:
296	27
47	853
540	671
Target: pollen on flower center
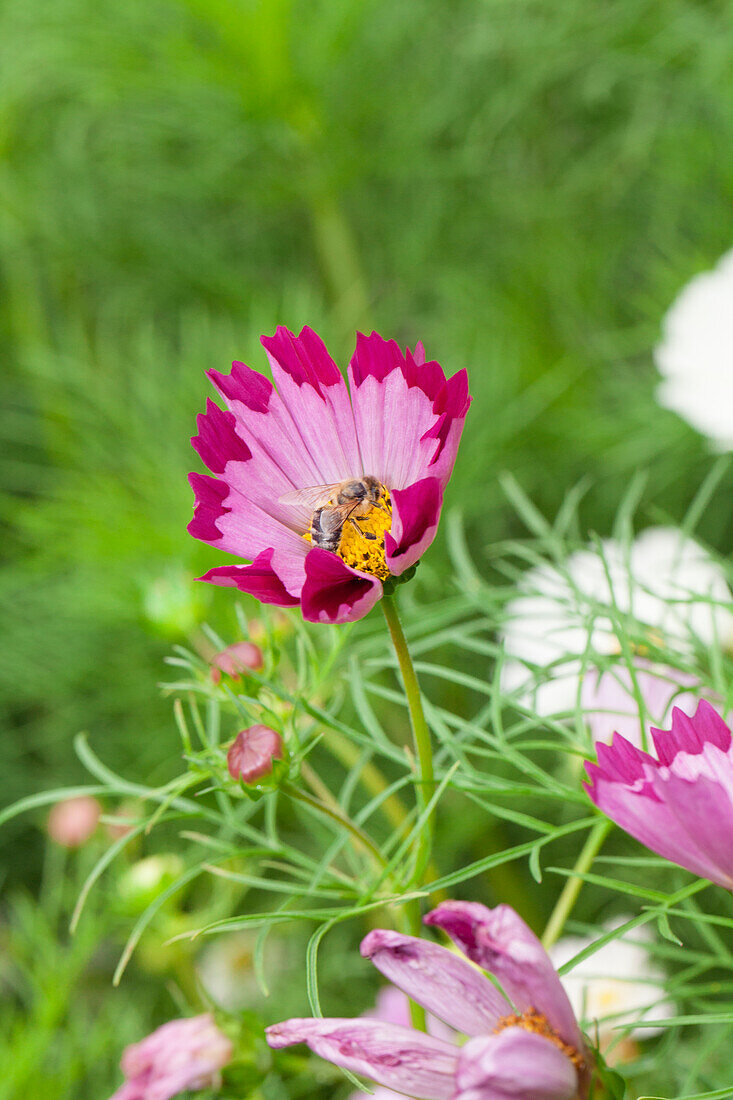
361	542
534	1021
364	549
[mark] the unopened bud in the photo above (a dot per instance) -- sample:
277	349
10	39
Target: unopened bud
252	754
71	823
236	659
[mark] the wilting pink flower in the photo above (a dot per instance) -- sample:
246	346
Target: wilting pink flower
277	452
530	1047
71	823
252	753
681	804
180	1055
236	659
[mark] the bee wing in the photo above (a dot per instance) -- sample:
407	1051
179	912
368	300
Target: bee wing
312	496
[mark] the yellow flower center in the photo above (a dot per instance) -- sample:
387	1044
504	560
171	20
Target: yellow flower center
361	544
534	1021
364	548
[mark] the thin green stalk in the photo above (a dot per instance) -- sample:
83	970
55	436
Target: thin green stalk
421	734
333	811
571	889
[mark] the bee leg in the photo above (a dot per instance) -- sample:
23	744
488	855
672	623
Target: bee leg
364	534
383	507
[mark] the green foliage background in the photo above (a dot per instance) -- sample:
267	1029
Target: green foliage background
522	184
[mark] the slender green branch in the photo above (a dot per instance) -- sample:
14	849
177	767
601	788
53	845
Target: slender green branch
333	810
420	733
571	889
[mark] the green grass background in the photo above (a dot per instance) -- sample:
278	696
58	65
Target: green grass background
522	184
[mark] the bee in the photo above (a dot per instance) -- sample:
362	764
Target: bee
336	505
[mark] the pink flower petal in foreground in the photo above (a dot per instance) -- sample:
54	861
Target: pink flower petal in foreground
679	804
533	1048
398	423
181	1055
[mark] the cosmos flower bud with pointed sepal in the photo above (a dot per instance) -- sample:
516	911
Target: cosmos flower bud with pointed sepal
254	755
679	804
328	490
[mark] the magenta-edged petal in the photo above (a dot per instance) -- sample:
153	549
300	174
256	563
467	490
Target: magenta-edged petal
499	941
514	1064
445	985
311	387
399	1058
258	579
281	456
450	407
218	442
210	494
649	820
415	517
226	519
333	592
623	761
692	734
245	386
392	413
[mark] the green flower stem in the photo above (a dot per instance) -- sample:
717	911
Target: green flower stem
425	783
571	889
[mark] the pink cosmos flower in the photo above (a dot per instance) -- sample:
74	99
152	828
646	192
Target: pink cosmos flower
252	753
71	823
681	804
531	1049
180	1055
281	453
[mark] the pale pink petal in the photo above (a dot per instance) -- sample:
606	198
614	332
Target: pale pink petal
333	592
225	519
312	387
399	1058
514	1065
609	704
415	518
703	811
634	802
499	941
267	427
391	415
444	984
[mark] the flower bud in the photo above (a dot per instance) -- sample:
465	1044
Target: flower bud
252	753
236	659
71	823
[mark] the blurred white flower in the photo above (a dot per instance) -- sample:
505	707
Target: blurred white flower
695	356
226	971
619	985
666	587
